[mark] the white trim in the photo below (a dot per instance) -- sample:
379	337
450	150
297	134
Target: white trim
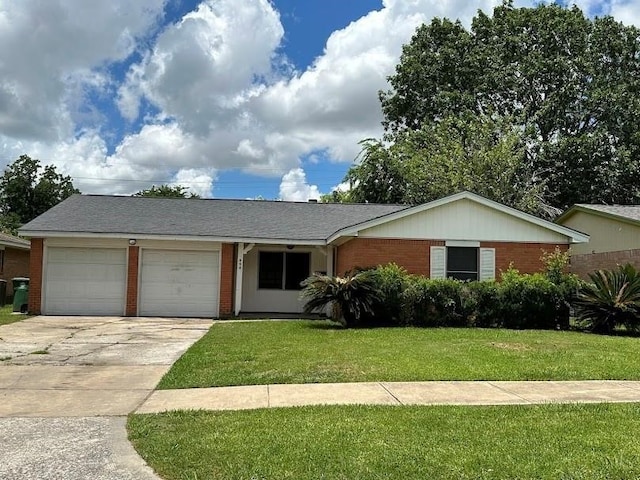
573	235
462	243
17	246
190	238
239	278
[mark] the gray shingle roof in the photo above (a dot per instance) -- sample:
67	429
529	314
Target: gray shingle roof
631	212
250	219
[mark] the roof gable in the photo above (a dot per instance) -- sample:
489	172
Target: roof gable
462	216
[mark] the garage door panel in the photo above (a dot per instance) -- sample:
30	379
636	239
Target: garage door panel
179	283
85	281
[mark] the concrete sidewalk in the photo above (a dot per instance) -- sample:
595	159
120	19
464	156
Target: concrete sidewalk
392	393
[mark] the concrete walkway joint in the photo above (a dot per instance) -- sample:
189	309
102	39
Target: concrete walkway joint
393	393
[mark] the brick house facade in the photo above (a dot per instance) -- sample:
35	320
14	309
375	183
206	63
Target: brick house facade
220	258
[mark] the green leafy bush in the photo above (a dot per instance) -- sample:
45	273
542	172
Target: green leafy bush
611	300
530	301
388	295
391	281
351	297
482	305
433	303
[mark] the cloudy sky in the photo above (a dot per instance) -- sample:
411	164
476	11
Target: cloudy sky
232	98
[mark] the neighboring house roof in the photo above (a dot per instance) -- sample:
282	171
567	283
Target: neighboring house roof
14	242
627	213
238	220
175	217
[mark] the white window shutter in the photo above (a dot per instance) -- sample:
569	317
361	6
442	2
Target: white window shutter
487	264
438	261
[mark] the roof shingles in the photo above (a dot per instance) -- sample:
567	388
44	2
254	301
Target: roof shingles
251	219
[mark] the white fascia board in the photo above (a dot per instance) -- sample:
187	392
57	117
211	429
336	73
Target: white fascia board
574	236
190	238
18	246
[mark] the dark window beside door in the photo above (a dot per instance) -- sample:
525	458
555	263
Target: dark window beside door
283	270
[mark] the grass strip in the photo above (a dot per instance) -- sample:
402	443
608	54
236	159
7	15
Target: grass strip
372	442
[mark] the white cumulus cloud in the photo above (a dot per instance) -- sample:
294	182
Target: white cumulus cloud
294	187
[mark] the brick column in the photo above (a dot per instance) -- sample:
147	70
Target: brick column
132	282
35	275
226	280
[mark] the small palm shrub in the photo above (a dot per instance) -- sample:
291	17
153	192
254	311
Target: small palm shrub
611	299
351	297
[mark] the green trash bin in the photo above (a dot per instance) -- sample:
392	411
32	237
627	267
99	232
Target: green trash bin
20	294
3	292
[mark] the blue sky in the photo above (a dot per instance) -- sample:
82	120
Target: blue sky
231	98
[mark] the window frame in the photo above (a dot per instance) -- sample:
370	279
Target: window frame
452	273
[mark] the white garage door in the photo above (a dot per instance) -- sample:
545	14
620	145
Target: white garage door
85	281
179	283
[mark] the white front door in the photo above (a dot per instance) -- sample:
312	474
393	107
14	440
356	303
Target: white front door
179	283
85	281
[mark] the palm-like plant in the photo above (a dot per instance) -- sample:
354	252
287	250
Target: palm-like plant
351	297
612	298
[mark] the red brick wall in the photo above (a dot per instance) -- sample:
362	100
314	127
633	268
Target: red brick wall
526	257
227	271
584	264
131	309
16	264
413	255
35	274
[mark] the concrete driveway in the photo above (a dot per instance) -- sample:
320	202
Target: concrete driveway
66	385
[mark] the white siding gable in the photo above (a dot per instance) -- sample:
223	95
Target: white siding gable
464	219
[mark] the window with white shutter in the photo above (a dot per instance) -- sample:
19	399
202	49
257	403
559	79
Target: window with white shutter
438	260
487	264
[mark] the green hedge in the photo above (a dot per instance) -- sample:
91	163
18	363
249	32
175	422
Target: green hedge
539	301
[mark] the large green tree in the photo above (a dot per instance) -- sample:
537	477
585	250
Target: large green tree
479	155
27	190
569	85
166	191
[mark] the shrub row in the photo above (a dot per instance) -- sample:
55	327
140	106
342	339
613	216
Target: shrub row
518	301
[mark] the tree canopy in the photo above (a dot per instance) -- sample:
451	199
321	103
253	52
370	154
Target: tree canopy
456	154
28	190
564	89
167	191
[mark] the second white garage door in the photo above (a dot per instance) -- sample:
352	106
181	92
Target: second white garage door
179	283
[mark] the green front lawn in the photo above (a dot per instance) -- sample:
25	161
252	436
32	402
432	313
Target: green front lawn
306	352
7	317
355	442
